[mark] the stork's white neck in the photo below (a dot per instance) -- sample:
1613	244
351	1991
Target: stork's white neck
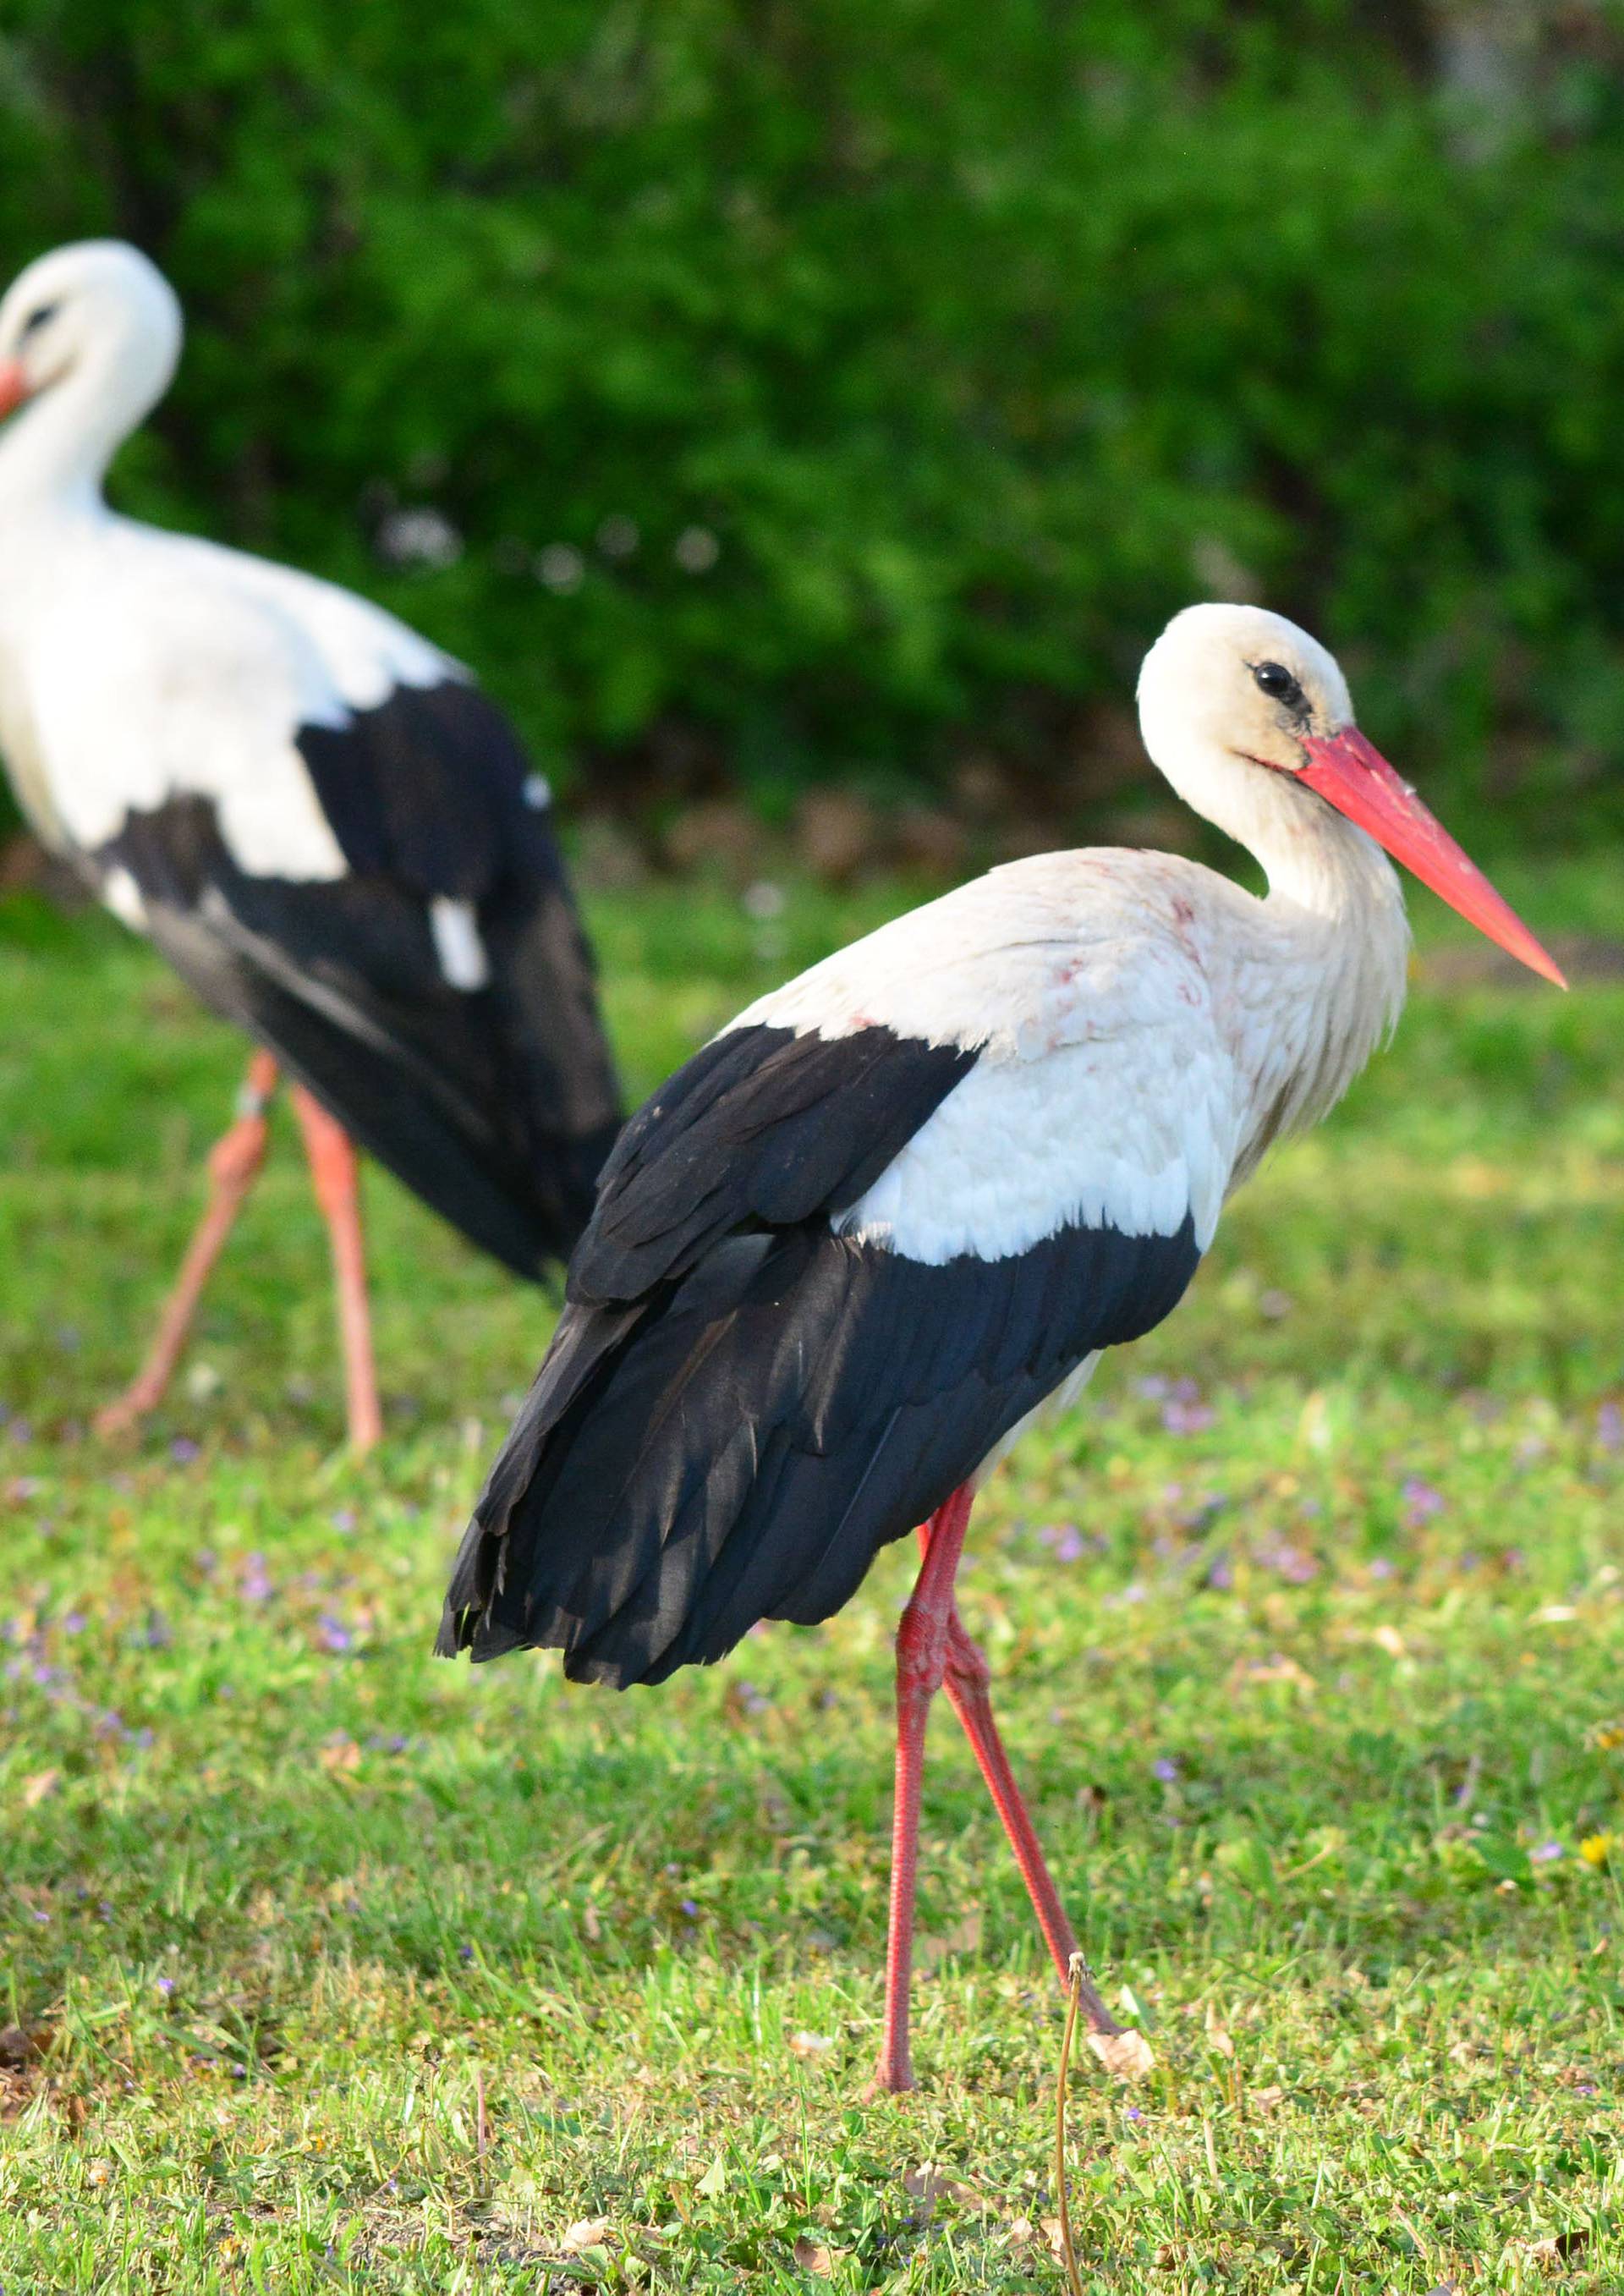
1314	977
54	451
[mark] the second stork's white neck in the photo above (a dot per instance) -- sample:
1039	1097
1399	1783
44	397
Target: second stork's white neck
56	450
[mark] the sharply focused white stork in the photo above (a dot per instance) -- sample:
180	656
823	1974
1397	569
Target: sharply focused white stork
329	832
900	1205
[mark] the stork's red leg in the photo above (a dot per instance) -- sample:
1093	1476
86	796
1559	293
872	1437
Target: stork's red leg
333	1169
234	1166
967	1680
921	1661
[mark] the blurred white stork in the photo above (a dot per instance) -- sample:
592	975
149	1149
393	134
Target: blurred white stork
325	827
843	1256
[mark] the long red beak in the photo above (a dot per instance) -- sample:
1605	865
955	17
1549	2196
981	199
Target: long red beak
13	386
1357	779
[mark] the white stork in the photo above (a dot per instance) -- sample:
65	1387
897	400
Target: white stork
325	827
844	1256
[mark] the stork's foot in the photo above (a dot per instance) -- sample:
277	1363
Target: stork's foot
126	1411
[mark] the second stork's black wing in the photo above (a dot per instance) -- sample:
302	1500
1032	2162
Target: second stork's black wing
495	1103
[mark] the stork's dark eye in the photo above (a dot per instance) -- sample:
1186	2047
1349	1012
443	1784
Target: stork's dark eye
1277	682
37	319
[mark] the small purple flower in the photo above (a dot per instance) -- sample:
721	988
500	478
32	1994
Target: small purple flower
1221	1576
1165	1769
1294	1564
166	1986
1182	1417
1134	2113
255	1579
464	1953
333	1635
344	1520
74	1623
753	1701
1152	1388
1547	1854
158	1633
686	1906
1065	1539
1382	1568
183	1450
1422	1501
1610	1427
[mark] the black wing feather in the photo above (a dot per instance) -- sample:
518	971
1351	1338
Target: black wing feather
762	1127
738	1409
496	1105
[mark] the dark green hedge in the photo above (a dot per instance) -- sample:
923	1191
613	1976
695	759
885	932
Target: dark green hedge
970	336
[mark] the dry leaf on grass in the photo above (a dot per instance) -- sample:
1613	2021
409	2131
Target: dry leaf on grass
924	2185
36	1789
810	2044
1265	2100
591	2232
1217	2038
929	2183
813	2257
1277	1667
1129	2055
18	2043
1558	2247
964	1937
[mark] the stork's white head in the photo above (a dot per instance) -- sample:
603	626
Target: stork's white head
1250	720
92	330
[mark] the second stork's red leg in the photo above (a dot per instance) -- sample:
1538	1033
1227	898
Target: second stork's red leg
933	1650
234	1166
921	1661
967	1680
334	1170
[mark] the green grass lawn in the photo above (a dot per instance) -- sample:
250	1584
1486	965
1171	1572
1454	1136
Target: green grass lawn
329	1966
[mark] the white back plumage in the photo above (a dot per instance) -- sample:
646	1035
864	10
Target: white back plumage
137	665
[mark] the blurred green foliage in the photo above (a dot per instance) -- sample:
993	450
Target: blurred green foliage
821	390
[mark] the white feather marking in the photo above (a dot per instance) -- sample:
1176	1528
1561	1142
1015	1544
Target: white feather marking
457	944
537	792
122	895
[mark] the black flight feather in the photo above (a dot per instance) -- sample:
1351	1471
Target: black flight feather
496	1104
741	1407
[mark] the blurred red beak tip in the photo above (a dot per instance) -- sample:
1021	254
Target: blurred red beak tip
1349	772
13	385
